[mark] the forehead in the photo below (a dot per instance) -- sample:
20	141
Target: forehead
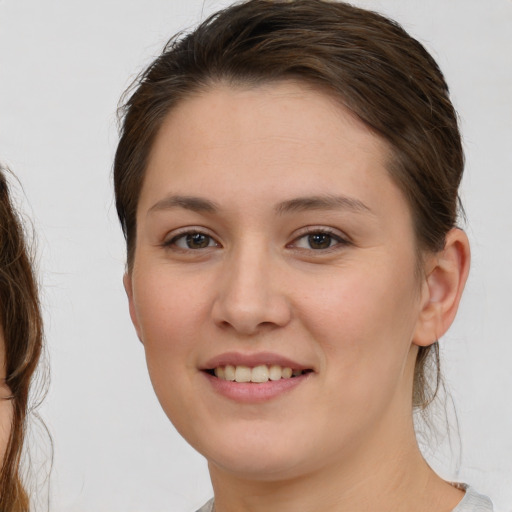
284	130
288	109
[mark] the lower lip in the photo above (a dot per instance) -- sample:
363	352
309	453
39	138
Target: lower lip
250	392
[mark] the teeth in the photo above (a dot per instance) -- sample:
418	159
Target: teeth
229	372
243	374
275	372
258	374
287	373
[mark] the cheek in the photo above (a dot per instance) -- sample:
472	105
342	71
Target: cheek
170	312
6	413
6	405
168	308
167	311
364	322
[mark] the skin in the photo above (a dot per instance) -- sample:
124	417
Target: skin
6	410
355	312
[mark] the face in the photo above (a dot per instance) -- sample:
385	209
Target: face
274	249
5	404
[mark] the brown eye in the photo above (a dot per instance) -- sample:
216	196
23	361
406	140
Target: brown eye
320	240
193	240
197	240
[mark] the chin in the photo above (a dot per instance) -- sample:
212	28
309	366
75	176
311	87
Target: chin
257	455
265	467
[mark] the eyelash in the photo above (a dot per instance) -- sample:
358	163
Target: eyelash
339	240
172	243
333	237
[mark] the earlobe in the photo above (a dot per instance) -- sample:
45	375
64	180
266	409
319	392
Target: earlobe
128	288
447	272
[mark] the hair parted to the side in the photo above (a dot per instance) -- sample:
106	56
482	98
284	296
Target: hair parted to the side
20	319
364	60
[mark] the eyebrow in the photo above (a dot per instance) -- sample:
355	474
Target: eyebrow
196	204
299	204
323	202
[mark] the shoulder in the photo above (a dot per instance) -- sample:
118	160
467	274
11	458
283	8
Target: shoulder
473	502
208	507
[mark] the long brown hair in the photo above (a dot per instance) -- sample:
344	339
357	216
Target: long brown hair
20	318
366	61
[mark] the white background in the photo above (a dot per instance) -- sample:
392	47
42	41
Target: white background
64	65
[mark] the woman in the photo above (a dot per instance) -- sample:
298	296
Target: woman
20	348
287	180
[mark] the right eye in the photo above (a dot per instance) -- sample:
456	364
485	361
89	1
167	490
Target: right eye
192	240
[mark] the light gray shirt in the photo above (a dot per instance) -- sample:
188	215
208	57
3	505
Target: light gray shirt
472	502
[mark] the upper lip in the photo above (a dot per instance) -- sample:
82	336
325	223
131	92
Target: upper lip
252	360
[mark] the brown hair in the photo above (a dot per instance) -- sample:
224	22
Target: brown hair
20	318
368	62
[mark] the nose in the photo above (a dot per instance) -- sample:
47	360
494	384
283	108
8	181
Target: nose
251	297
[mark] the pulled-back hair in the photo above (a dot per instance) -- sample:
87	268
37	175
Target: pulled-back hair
20	319
364	60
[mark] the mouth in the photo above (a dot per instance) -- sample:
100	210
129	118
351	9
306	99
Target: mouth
259	374
255	378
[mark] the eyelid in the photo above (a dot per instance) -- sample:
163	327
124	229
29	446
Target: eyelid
171	237
339	236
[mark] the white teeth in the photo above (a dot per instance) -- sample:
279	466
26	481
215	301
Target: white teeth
275	372
258	374
287	373
229	372
243	374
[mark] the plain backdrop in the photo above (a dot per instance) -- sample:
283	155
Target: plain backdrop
64	65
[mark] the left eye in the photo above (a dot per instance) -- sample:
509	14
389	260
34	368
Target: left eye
195	240
317	241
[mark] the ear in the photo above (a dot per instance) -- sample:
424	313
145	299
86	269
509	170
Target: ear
128	288
446	275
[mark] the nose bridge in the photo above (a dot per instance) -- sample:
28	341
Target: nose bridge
249	297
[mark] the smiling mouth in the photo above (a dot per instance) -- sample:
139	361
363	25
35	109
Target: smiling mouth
257	374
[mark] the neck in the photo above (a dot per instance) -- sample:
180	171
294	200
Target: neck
390	478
